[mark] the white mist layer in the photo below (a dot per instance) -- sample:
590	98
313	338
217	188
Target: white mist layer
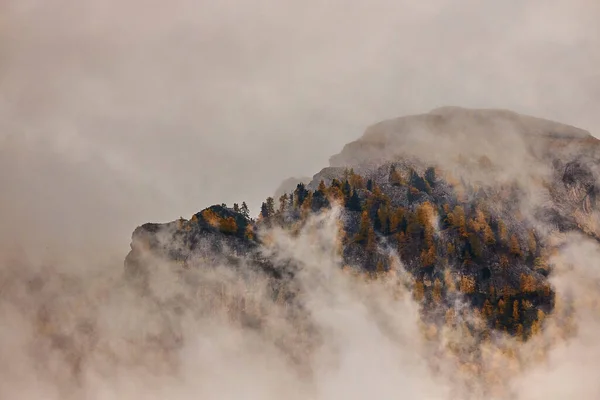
102	340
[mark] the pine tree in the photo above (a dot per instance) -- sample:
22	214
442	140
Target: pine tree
236	207
353	203
264	211
271	206
356	181
283	201
245	210
430	176
300	195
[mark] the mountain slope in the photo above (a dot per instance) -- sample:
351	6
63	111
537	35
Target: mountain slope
472	203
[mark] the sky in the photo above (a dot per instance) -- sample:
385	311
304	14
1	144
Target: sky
120	112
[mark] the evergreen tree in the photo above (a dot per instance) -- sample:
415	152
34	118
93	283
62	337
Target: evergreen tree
430	176
353	203
264	210
417	182
283	201
300	194
271	206
245	210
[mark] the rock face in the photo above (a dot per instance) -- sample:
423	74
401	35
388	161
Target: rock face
470	201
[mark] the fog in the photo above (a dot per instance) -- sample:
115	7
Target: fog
116	113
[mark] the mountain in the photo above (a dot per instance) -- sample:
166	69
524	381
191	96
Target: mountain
472	203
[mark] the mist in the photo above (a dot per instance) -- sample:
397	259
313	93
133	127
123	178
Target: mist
116	113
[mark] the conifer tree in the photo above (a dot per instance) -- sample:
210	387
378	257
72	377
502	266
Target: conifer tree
353	203
283	201
430	176
271	206
245	210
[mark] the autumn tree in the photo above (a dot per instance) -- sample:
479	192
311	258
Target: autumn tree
458	221
380	269
515	311
467	284
356	181
366	234
487	309
515	248
528	283
307	204
320	197
428	256
437	291
335	194
502	232
395	177
228	225
532	243
419	291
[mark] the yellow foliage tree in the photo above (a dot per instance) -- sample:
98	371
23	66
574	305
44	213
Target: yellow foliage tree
502	231
457	219
515	248
528	283
419	291
467	284
211	218
428	257
228	225
487	309
532	243
356	181
437	291
515	312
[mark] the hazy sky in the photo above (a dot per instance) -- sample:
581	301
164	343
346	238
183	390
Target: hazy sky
148	110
